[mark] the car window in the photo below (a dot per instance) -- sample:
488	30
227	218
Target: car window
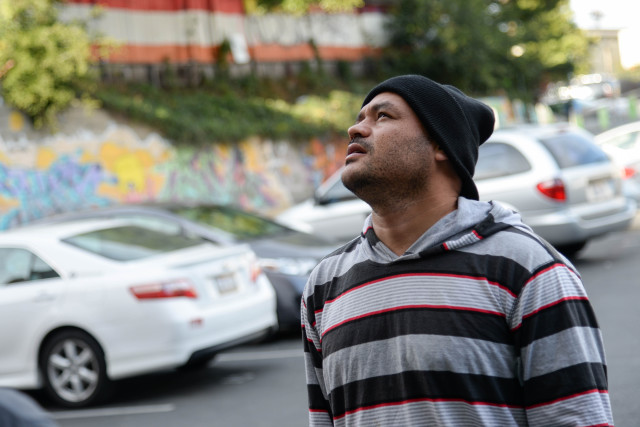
130	242
336	193
626	141
498	159
242	225
20	265
572	149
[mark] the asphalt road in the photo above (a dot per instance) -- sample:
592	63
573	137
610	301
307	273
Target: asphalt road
263	385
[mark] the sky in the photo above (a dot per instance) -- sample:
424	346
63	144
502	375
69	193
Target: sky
621	15
617	14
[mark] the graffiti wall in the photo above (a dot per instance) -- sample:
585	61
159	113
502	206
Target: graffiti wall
42	176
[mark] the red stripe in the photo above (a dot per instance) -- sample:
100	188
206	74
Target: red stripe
595	390
446	248
409	401
407	307
223	6
476	234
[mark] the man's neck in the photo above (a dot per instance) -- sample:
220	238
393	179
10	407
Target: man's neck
399	227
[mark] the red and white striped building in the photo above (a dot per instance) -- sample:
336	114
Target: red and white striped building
188	31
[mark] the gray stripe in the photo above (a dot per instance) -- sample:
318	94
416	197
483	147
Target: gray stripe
519	248
420	353
589	409
415	290
579	345
320	419
427	413
548	288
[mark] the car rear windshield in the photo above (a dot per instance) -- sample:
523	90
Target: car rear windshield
130	242
572	149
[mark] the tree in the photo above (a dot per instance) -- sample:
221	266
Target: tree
301	6
485	47
43	60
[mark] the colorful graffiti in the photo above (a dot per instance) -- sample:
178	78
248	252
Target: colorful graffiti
62	173
41	178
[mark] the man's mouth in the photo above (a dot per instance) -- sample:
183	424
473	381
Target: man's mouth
354	148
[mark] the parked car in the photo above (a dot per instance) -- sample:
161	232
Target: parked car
286	254
83	303
622	143
564	186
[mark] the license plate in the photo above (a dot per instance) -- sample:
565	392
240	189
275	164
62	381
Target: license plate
600	190
226	284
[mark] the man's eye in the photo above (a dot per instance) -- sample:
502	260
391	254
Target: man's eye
382	114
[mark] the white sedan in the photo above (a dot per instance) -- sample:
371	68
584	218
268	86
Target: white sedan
88	302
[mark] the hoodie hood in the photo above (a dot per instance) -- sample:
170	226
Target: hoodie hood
470	223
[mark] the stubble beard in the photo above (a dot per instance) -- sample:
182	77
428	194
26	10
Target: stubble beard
393	185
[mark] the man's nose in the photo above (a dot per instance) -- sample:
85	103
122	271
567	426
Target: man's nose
360	129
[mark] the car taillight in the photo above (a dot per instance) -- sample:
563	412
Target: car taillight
171	289
554	189
255	270
628	172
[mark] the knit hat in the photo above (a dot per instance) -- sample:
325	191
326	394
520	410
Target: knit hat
454	121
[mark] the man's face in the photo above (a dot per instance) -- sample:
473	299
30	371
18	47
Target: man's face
389	154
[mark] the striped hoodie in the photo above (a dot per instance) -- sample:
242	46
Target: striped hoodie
479	323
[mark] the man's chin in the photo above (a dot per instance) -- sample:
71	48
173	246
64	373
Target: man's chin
353	178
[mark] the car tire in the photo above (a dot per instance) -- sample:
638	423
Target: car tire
198	364
74	370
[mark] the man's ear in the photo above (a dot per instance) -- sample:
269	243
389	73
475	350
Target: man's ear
439	153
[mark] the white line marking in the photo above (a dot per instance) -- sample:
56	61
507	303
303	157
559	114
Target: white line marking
110	412
259	355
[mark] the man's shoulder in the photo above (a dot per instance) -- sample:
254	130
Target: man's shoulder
519	245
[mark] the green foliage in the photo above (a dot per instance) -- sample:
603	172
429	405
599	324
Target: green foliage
513	46
45	62
300	6
200	116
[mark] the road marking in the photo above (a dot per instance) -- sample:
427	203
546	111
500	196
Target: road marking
259	355
110	412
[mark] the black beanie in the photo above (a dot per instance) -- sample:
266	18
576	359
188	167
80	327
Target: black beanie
454	121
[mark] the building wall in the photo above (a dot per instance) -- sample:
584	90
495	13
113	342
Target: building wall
96	161
605	52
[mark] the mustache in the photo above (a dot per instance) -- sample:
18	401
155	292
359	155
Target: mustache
360	141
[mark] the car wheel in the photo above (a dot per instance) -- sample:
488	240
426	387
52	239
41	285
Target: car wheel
73	368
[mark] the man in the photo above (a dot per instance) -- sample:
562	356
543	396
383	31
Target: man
445	310
17	409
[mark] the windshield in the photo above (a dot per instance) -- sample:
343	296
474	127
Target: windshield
130	242
243	225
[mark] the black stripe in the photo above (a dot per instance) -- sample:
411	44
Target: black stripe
316	399
565	382
564	315
446	322
410	385
310	349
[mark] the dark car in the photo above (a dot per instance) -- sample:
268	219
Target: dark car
286	255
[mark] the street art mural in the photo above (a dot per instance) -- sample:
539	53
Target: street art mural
63	173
